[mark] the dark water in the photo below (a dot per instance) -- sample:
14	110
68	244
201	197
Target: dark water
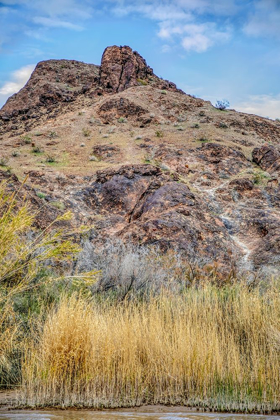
119	415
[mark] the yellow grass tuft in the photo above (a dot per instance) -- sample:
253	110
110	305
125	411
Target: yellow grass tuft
214	347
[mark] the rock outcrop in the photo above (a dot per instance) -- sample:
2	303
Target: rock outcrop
122	68
267	157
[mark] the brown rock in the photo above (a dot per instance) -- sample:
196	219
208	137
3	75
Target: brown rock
267	157
121	68
119	108
242	184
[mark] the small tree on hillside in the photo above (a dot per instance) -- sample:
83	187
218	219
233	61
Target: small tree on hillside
222	105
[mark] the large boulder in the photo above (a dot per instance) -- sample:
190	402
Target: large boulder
267	157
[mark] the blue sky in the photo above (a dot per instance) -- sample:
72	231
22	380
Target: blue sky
223	49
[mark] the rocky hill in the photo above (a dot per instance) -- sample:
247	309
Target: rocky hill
137	158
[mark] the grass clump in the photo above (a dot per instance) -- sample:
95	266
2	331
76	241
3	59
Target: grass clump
215	347
86	132
26	140
50	159
159	133
58	205
259	177
53	135
41	195
203	140
142	82
15	153
4	161
37	150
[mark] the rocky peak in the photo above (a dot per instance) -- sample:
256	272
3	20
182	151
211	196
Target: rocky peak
121	68
58	86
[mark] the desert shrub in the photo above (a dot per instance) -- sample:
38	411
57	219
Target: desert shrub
131	271
222	105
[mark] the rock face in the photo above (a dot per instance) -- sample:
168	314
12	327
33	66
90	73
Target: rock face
268	158
143	204
122	68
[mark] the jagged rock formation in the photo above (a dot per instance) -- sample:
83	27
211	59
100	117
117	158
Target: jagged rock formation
128	153
122	68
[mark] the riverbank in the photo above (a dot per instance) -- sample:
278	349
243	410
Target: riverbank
155	412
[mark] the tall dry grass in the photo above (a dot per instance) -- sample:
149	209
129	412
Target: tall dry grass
215	347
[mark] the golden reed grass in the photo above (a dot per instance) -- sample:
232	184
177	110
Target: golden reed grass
211	347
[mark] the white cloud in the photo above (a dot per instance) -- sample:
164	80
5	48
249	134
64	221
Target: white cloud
56	8
56	23
173	8
265	20
179	20
153	10
25	15
263	105
194	37
17	80
196	42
